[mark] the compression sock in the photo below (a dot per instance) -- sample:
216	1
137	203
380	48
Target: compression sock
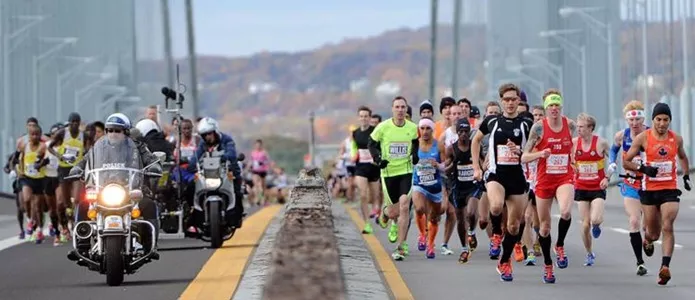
636	242
563	226
545	248
508	246
496	222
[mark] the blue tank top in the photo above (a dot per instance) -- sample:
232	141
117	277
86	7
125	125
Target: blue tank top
627	139
425	174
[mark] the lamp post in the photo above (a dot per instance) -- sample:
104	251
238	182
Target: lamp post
578	53
83	61
103	77
605	32
37	59
312	139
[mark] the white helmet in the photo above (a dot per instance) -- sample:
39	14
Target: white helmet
117	120
145	126
207	125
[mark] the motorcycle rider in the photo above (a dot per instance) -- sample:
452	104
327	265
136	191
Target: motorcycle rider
153	137
209	131
117	128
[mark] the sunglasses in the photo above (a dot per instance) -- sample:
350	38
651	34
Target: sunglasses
114	130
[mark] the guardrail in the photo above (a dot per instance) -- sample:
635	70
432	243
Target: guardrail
305	261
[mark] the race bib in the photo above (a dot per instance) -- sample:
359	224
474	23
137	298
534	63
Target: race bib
531	170
398	150
465	173
505	156
364	156
426	174
71	151
53	162
587	170
665	171
30	170
187	152
638	161
557	163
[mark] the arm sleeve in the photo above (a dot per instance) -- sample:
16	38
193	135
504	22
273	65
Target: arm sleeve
374	150
613	153
413	153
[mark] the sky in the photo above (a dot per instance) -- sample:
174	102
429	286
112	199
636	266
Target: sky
240	28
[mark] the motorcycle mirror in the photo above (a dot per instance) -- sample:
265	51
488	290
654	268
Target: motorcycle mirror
135	195
241	157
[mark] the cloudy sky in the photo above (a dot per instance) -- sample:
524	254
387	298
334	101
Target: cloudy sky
233	28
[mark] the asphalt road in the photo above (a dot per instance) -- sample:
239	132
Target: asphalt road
612	277
31	271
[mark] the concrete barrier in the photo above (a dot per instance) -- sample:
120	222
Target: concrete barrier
306	262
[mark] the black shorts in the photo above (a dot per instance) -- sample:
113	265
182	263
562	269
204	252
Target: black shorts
657	198
351	170
398	185
459	197
513	181
480	190
532	197
584	195
369	171
50	185
261	174
37	186
64	172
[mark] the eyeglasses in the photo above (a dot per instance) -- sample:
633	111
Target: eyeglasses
110	130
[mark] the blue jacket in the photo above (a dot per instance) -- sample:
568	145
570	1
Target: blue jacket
225	142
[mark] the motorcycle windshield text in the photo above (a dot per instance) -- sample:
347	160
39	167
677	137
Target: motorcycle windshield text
114	164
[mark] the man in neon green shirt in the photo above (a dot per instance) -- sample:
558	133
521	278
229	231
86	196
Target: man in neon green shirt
394	148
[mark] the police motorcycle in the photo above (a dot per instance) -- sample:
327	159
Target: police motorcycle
214	198
115	228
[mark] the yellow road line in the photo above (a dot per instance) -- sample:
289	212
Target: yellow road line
393	278
221	274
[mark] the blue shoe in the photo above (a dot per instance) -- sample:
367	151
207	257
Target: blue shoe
548	274
495	246
590	257
505	271
562	260
596	231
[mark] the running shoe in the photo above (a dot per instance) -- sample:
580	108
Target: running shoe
22	235
421	242
382	220
463	258
406	248
561	257
590	258
472	241
548	274
430	252
505	271
664	275
445	250
367	228
596	231
530	259
518	252
642	270
495	243
393	232
39	236
648	248
398	254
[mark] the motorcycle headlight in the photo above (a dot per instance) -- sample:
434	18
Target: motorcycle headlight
213	183
113	195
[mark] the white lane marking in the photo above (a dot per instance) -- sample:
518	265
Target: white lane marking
14	241
623	231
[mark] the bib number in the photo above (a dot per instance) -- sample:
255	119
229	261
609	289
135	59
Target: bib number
30	170
71	151
588	171
426	175
364	156
638	161
187	153
53	162
505	156
465	173
665	171
557	163
398	150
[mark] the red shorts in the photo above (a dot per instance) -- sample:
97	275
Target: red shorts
547	188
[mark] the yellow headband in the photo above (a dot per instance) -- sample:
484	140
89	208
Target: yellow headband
551	100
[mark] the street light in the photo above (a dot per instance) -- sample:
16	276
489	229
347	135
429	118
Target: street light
36	60
103	77
554	70
605	32
83	61
578	53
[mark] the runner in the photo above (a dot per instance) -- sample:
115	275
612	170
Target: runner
375	120
505	183
629	188
427	187
366	172
660	193
552	138
529	240
260	162
441	125
50	164
394	147
426	109
460	170
591	181
344	152
32	176
447	139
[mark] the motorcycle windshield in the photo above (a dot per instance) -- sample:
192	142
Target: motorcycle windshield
115	164
211	166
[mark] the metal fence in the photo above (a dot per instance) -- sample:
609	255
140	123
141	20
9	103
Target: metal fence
72	55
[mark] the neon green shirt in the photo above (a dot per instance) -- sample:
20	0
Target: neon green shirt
396	146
